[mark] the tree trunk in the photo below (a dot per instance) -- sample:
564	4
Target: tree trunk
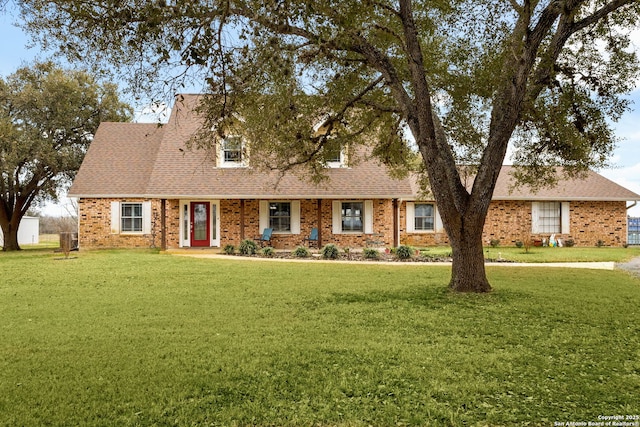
467	271
10	236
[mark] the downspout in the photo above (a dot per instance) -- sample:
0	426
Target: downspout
163	224
634	204
396	223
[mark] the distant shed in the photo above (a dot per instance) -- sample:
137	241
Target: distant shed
28	231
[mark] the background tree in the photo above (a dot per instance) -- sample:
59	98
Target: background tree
47	119
465	77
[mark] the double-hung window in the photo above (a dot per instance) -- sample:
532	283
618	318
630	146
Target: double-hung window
232	152
424	217
352	216
280	216
131	217
550	217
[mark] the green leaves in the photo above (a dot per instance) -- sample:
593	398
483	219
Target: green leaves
47	119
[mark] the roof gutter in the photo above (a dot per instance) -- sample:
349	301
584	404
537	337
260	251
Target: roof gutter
635	203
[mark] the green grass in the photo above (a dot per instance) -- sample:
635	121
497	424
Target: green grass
539	254
137	338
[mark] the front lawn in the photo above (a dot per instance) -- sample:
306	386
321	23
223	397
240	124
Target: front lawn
547	254
137	338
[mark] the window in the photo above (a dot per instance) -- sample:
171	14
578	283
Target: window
550	217
424	218
333	156
352	216
232	152
131	217
280	216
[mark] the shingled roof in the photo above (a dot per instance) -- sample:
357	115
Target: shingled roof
139	160
147	160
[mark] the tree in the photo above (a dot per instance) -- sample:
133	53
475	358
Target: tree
47	119
466	78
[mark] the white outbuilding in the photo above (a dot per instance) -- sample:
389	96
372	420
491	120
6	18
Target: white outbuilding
28	231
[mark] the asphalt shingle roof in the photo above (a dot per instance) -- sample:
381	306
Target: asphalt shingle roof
147	160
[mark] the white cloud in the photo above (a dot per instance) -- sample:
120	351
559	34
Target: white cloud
628	177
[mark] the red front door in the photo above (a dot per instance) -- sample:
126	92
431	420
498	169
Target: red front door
200	224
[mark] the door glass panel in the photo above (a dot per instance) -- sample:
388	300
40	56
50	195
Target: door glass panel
185	226
214	217
200	221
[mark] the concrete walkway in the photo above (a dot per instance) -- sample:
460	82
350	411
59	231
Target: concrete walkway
632	266
587	265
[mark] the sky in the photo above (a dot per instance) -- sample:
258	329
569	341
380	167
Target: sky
14	52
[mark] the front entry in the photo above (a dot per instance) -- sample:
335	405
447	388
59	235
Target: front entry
200	224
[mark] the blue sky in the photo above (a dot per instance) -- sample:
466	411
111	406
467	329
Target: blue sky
626	158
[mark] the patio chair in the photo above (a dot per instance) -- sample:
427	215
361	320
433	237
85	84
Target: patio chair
265	238
313	238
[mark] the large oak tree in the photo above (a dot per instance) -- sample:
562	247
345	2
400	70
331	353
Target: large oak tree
459	79
48	116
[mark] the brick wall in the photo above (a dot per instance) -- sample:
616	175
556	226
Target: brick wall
95	226
510	221
507	221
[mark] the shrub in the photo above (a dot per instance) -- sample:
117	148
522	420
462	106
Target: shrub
248	247
600	243
519	244
404	252
370	253
330	251
569	243
494	243
301	252
268	251
229	249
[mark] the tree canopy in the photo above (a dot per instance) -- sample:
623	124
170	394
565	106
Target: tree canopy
48	116
460	80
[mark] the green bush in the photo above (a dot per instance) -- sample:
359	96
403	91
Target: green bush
301	252
229	249
494	243
404	252
248	247
330	251
519	244
268	251
370	253
569	243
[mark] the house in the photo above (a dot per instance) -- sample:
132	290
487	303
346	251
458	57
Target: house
139	187
28	231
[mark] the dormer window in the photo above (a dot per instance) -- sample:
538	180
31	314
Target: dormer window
334	156
232	152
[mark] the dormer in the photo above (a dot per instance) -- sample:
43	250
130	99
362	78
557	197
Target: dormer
333	155
232	152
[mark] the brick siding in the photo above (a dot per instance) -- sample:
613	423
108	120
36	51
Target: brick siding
507	221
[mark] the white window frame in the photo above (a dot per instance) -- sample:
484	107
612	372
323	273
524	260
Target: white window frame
222	150
295	216
116	217
340	163
536	222
367	217
411	223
